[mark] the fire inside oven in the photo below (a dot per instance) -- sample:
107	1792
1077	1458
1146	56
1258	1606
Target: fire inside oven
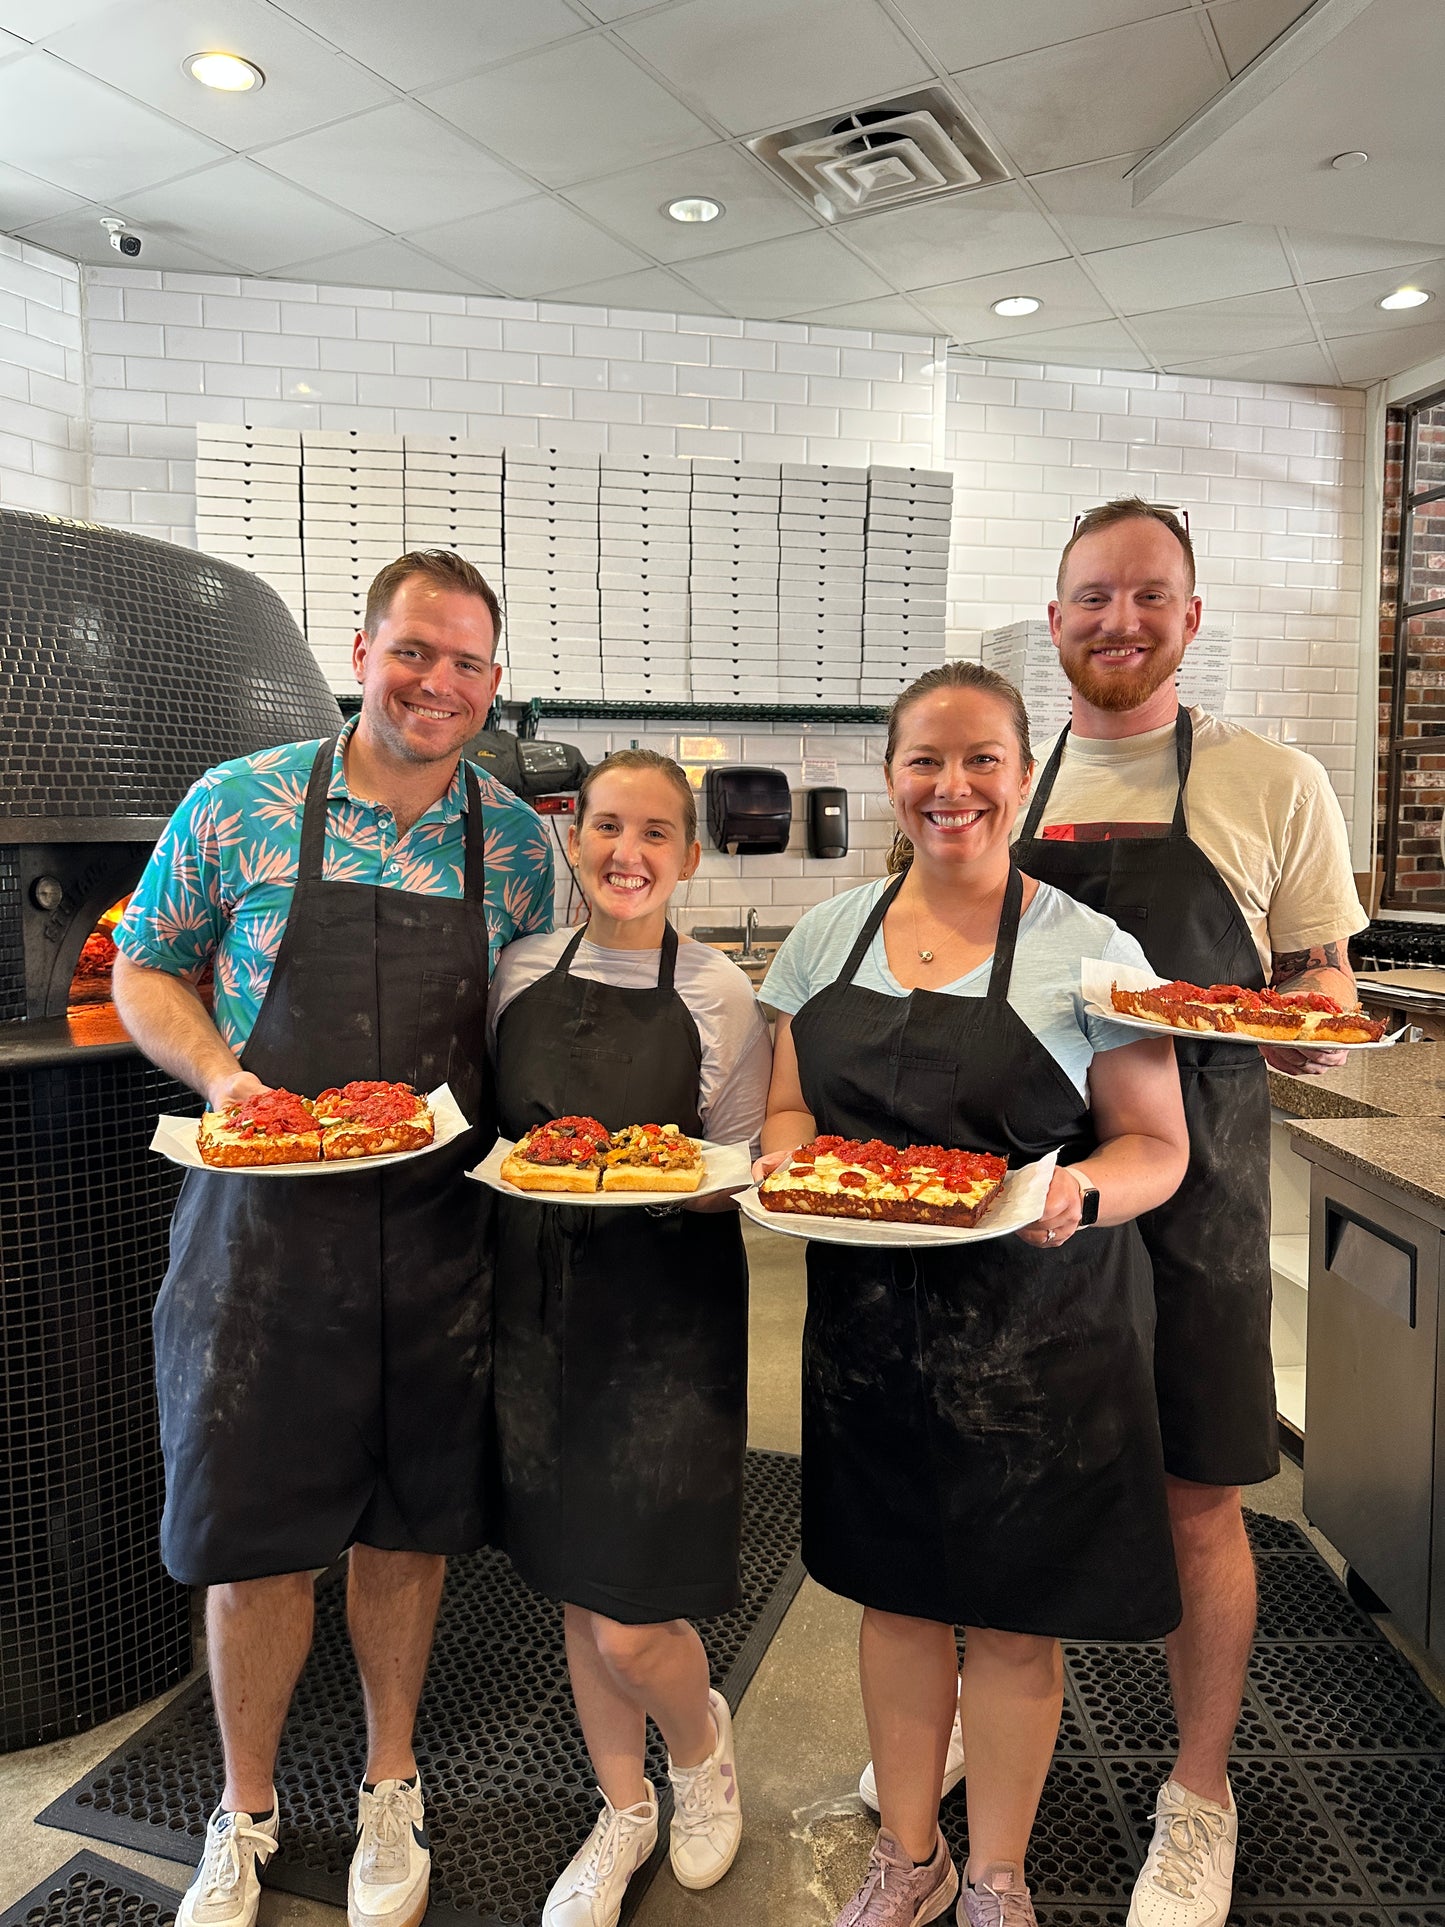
91	982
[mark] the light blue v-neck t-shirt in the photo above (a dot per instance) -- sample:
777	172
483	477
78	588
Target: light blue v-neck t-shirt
1056	933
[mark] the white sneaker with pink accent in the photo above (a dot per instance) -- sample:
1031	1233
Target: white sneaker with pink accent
707	1816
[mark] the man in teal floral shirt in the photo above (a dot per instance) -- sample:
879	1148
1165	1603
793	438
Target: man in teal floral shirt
323	1348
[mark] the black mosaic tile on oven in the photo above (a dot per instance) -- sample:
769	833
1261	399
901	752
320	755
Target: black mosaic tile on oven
1357	1697
1288	1848
90	1891
510	1791
1124	1694
1390	1811
129	666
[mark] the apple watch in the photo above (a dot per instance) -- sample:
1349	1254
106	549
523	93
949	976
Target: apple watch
1088	1195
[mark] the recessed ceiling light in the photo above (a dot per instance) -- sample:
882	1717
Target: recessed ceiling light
228	72
1404	298
1356	157
1017	304
694	207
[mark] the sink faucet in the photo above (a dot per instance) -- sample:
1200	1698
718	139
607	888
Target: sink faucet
748	953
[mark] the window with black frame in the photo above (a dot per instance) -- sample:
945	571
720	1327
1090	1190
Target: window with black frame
1414	751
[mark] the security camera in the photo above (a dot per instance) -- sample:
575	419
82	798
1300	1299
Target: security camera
121	239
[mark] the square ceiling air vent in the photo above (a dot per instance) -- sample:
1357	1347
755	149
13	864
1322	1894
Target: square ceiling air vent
909	148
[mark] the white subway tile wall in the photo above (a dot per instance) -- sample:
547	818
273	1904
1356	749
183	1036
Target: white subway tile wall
43	452
1272	474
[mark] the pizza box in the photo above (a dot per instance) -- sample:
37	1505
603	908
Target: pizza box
175	1138
726	1167
1020	1203
1097	977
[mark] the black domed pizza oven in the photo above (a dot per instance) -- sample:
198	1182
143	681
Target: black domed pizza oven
127	667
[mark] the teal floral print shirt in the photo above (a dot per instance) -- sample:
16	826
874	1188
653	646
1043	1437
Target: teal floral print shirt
217	889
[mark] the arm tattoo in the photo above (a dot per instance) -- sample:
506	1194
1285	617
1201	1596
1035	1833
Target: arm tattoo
1287	965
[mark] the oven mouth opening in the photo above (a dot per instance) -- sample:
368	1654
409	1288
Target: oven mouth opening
90	981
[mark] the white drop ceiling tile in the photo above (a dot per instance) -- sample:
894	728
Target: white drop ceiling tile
892	313
533	247
80	235
24	199
142	49
238	212
781	277
386	263
393	164
1346	306
1244	28
982	30
757	64
1328	257
1212	265
571	112
418	46
1304	363
1094	204
971	233
633	204
34	19
964	307
1067	104
1249	324
1100	344
651	290
11	43
85	137
1366	358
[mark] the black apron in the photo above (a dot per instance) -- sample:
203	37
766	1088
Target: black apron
980	1444
323	1344
1209	1244
621	1352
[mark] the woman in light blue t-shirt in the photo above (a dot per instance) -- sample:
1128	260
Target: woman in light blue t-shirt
980	1439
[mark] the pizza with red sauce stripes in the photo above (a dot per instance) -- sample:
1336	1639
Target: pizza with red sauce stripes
921	1184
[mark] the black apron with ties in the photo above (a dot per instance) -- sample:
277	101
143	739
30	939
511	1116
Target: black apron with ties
323	1344
980	1444
621	1350
1209	1243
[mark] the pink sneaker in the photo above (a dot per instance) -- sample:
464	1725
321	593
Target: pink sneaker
895	1893
999	1899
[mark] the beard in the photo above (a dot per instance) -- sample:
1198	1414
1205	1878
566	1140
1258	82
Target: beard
1112	689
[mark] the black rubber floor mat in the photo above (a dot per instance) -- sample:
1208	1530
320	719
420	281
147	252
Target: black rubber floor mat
1338	1768
509	1789
91	1892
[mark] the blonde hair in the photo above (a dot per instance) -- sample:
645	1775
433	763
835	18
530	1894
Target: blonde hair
952	675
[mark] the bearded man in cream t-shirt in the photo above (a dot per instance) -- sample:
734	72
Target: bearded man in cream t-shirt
1226	855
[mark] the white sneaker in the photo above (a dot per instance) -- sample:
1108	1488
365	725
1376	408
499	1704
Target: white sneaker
589	1892
952	1769
391	1867
1188	1874
707	1816
226	1890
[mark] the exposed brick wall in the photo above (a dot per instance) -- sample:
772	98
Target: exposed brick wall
1415	871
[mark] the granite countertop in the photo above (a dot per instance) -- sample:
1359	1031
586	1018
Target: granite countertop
1381	1113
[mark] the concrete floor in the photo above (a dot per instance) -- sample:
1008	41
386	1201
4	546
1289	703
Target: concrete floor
800	1733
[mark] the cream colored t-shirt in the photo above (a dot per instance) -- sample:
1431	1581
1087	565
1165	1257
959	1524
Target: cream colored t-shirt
1263	813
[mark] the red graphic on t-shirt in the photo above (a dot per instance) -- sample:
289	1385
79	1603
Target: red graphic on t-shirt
1102	832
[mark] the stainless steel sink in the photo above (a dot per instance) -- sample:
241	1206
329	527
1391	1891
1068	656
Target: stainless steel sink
732	940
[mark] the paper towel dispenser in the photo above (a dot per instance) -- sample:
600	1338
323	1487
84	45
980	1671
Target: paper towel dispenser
749	810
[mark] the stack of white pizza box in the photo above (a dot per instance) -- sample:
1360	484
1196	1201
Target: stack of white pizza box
550	562
1025	653
248	505
644	511
733	581
452	499
823	512
352	525
905	578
